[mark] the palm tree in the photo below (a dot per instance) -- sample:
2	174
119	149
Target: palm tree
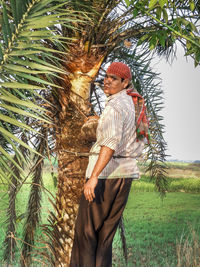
87	53
51	54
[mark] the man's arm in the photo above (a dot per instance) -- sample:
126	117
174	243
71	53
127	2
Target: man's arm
104	157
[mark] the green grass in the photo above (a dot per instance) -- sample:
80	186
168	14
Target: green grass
178	169
153	227
21	204
191	185
188	185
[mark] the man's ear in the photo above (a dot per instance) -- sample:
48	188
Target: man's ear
126	82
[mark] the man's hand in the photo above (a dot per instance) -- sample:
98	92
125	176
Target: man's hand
89	188
104	157
88	130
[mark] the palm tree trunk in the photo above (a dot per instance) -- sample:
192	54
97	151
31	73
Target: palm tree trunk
71	167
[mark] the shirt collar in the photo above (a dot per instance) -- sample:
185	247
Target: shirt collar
116	95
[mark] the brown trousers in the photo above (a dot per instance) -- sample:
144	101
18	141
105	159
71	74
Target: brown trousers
97	223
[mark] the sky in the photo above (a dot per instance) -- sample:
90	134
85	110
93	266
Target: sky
181	86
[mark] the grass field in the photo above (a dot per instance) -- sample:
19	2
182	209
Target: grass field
155	227
158	232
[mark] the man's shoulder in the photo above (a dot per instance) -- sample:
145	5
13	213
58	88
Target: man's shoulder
123	101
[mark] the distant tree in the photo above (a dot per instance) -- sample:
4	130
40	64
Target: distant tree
196	161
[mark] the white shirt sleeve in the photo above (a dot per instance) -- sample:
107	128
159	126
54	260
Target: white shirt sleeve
111	127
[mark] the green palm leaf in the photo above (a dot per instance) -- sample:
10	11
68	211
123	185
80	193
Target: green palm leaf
9	157
26	68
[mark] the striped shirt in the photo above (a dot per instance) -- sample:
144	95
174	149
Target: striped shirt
116	130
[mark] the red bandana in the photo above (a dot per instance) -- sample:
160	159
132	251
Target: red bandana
142	123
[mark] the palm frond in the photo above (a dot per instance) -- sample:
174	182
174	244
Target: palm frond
15	180
30	44
34	204
9	242
148	84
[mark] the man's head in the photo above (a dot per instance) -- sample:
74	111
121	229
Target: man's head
118	76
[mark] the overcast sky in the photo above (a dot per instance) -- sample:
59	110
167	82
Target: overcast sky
181	85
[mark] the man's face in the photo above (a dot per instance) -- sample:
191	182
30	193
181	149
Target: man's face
114	84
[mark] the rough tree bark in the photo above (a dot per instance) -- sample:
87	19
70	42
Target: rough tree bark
74	101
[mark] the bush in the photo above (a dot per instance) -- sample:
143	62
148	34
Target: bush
188	185
141	186
191	185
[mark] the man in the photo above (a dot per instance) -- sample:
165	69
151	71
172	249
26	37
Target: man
111	169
